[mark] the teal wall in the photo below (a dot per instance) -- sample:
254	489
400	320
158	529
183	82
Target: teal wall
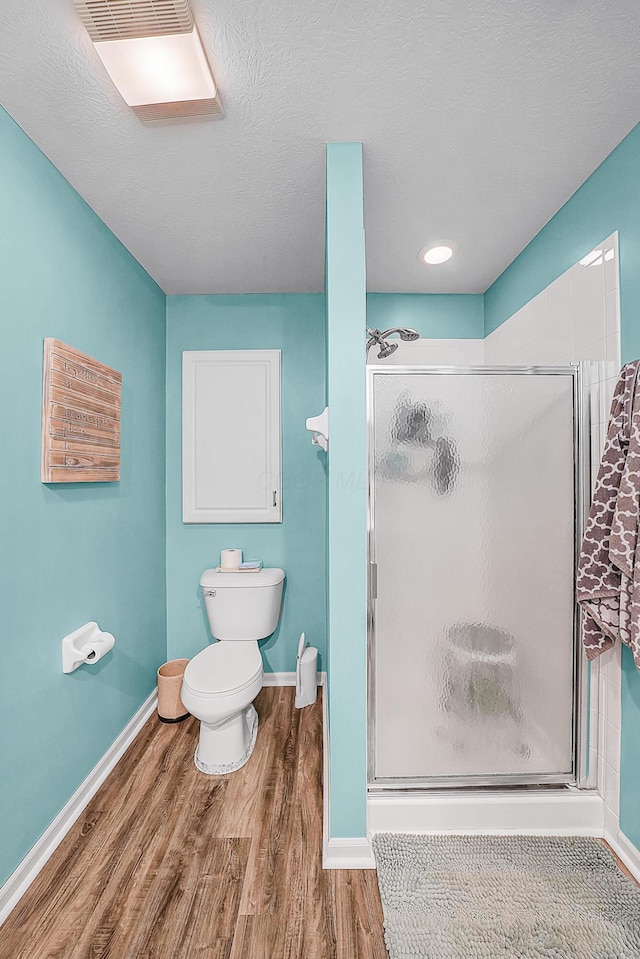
609	200
434	315
71	553
346	317
294	324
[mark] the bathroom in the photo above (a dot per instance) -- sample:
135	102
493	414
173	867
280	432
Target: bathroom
121	555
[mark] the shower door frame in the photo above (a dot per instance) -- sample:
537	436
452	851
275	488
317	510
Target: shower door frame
581	775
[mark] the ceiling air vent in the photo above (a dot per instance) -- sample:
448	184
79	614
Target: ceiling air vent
125	19
153	53
179	110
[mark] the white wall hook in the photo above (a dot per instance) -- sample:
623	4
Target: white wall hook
319	428
88	644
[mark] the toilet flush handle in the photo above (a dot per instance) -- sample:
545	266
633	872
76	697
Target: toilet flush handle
210	592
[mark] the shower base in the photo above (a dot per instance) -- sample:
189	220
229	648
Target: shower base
564	811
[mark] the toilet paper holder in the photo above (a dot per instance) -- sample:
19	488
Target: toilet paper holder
88	644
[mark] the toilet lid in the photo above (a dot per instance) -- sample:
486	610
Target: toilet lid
223	667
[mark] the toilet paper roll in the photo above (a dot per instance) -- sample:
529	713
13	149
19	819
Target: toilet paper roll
99	647
230	558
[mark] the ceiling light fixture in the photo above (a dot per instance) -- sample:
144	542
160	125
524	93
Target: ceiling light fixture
153	53
433	255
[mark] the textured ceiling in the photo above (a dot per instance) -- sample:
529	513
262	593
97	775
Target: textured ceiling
479	118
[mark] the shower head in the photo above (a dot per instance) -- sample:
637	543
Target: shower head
386	348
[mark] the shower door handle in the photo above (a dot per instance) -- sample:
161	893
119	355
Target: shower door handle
373	578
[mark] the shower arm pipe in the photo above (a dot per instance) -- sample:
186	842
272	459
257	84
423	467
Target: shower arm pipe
375	336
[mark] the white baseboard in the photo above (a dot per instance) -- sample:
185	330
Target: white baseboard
566	813
326	790
627	852
348	854
287	679
279	679
24	874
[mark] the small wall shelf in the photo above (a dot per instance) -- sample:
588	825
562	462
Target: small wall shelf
318	426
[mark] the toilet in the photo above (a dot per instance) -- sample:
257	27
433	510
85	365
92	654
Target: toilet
221	682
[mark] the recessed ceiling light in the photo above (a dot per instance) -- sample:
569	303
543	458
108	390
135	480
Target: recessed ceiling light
432	255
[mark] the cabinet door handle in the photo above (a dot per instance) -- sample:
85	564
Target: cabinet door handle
275	499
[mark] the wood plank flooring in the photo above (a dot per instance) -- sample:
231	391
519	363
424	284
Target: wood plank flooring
168	863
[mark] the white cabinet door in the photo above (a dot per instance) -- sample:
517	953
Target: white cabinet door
231	436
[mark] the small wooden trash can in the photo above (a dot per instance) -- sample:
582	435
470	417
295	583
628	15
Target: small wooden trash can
170	706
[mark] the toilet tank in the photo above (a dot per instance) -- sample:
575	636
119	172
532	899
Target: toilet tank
242	606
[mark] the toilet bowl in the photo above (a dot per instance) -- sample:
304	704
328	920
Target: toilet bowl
221	682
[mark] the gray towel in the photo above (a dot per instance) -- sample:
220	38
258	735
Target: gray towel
608	583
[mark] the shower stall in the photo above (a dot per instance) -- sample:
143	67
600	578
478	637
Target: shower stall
476	497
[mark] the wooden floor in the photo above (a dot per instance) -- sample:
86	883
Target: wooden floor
169	863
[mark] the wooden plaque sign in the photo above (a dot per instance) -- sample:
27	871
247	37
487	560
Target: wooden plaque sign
81	401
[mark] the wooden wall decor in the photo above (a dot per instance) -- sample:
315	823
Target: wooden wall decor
81	402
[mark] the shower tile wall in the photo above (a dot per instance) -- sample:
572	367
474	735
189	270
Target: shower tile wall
575	318
578	318
434	353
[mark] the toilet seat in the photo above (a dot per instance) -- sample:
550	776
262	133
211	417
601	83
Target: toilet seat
223	668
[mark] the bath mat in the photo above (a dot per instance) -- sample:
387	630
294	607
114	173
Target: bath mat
505	897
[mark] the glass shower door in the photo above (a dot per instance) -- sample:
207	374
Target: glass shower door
472	541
